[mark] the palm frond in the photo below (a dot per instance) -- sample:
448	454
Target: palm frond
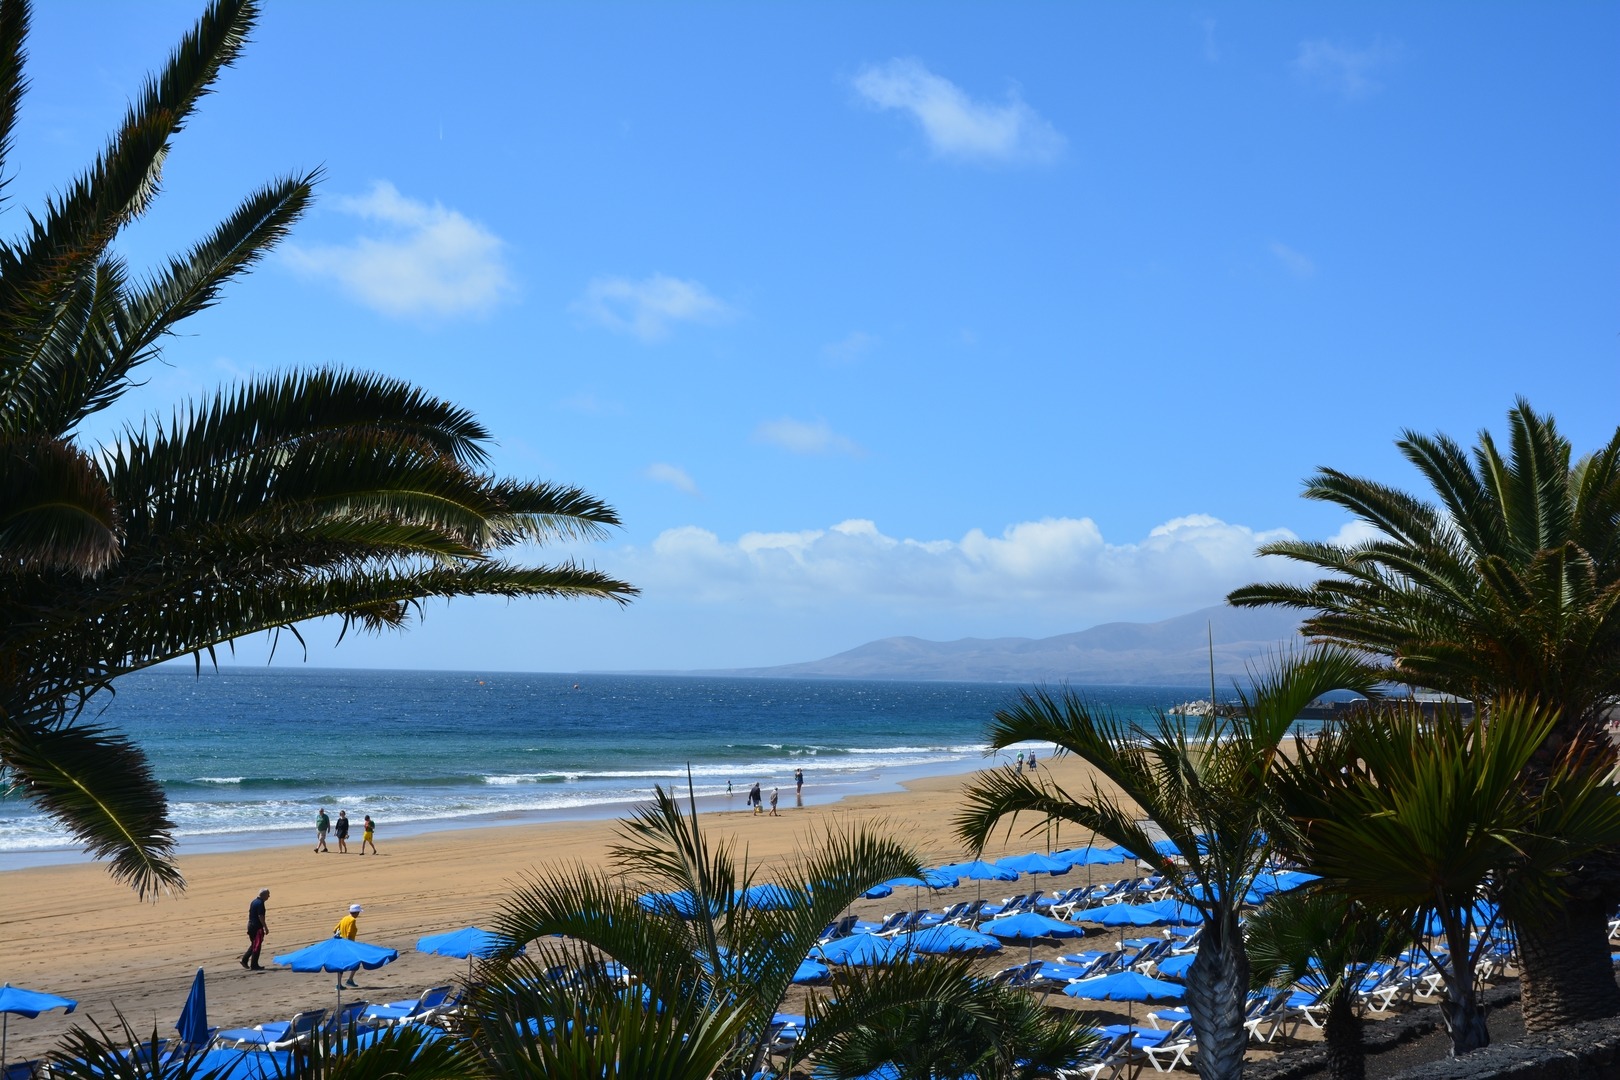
100	787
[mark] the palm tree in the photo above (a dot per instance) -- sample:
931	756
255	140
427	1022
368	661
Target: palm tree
1202	781
296	497
1319	940
1508	583
714	965
1410	817
937	1021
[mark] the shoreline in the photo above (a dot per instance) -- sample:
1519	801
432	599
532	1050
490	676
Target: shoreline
71	930
821	793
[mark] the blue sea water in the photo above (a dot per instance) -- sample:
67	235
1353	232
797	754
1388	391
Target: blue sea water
247	755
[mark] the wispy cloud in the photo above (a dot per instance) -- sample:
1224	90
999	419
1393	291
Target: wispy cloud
806	437
1212	50
647	308
673	475
955	125
424	260
587	403
1295	262
1054	565
1343	69
849	349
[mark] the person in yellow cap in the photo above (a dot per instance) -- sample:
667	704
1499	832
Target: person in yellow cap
348	927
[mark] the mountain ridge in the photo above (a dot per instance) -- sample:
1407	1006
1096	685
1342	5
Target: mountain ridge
1169	652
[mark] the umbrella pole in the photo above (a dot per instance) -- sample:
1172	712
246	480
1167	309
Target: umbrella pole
5	1024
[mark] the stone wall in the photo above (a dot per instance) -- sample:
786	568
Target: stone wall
1579	1052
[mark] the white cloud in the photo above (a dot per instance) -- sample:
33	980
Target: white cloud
1342	69
673	475
423	260
1048	567
850	349
1295	262
806	437
646	308
957	126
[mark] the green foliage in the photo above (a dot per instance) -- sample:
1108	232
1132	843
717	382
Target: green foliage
1407	815
1508	583
298	496
1204	781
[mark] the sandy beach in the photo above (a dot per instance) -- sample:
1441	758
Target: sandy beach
71	930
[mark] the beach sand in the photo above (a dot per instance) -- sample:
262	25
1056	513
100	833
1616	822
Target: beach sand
71	930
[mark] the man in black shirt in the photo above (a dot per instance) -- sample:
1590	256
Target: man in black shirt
257	928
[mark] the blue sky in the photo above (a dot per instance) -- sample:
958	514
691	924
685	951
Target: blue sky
942	320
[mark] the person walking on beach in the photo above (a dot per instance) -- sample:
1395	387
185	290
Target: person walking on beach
1032	761
366	836
753	797
322	824
341	829
348	927
774	792
798	781
258	927
1020	761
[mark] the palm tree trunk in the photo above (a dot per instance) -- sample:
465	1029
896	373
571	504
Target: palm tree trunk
1567	975
1347	1059
1217	989
1464	1018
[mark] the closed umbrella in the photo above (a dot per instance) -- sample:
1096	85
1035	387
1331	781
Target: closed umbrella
193	1022
29	1003
810	971
338	955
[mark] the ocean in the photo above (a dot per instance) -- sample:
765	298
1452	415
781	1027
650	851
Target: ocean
247	755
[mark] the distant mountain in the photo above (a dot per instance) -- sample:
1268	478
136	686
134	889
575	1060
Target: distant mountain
1175	651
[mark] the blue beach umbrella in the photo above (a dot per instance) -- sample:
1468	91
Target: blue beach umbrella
1175	912
465	944
768	897
858	949
1092	856
681	903
29	1003
979	870
877	892
1030	926
193	1022
1123	915
1034	863
1126	986
336	954
947	938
